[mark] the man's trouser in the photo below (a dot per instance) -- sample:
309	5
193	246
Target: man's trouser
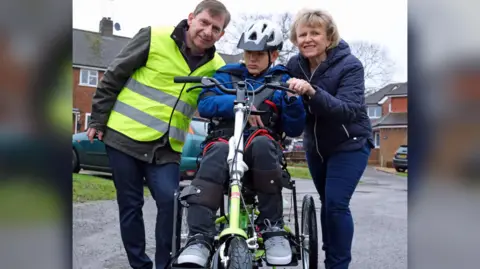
263	177
163	181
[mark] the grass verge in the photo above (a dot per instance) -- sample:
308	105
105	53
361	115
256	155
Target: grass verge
299	172
91	188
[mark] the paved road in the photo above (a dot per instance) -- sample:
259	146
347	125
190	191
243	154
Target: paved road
379	207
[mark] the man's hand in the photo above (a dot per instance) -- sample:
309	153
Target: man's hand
255	120
91	134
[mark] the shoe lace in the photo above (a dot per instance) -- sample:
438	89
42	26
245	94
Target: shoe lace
275	239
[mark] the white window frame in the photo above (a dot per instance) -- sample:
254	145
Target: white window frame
377	108
87	116
390	106
375	142
75	122
91	74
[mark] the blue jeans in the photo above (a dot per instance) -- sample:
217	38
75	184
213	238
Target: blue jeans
163	181
335	180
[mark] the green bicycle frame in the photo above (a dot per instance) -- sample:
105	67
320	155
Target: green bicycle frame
235	159
234	215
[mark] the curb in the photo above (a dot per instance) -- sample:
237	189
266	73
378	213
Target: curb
385	171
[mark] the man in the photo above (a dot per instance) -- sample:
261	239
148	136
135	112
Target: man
285	115
142	116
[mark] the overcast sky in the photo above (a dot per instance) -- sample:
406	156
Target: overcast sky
379	21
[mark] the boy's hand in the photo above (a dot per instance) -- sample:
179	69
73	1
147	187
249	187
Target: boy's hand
255	120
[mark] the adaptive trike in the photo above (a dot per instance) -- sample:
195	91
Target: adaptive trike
237	245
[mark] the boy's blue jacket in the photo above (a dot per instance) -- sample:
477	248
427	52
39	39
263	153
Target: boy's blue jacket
292	116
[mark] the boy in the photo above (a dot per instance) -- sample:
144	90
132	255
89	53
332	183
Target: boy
286	115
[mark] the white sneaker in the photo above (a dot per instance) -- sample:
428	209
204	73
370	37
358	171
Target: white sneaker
277	248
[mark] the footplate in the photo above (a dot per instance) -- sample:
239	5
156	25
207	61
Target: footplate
296	255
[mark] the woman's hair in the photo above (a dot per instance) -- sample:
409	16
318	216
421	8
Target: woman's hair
316	18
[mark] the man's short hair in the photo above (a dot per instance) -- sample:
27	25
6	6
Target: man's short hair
214	8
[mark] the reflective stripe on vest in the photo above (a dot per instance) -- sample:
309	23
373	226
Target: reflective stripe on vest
161	97
149	121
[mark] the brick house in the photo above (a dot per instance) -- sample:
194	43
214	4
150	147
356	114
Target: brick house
388	111
92	53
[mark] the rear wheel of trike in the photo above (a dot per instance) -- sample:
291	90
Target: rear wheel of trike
309	233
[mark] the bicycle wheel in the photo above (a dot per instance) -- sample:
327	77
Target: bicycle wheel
183	226
309	233
239	255
180	225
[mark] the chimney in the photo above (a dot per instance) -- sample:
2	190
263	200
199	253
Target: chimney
106	27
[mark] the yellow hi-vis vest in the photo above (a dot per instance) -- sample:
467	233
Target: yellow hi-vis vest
151	104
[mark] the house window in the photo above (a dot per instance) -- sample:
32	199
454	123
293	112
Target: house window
87	120
390	106
374	112
377	139
88	77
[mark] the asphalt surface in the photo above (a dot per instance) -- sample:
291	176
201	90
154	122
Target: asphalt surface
379	208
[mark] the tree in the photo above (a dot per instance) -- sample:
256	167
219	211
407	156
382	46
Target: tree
228	43
376	63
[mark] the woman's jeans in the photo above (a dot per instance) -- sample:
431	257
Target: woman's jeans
335	180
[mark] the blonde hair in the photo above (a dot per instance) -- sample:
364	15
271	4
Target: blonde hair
316	18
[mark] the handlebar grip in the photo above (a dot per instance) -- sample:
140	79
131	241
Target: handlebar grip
286	87
284	84
187	79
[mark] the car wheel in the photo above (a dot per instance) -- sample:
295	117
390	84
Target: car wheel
400	170
75	163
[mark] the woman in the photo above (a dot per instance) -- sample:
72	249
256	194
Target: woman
338	136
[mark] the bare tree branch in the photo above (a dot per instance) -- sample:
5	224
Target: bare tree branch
378	67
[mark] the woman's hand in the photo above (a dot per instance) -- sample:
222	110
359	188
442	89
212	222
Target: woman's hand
301	87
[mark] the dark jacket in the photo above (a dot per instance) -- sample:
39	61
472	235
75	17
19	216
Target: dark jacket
337	117
292	115
134	56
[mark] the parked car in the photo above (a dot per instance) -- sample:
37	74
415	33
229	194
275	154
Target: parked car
400	160
93	156
297	145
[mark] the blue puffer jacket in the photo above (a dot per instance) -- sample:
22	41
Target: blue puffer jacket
292	116
337	117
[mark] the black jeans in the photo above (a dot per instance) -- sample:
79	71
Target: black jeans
264	176
163	181
335	180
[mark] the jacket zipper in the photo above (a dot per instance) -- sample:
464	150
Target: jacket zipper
348	135
315	124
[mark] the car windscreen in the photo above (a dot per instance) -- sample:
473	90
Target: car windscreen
199	127
403	149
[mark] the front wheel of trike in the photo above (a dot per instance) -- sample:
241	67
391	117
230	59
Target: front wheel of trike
239	256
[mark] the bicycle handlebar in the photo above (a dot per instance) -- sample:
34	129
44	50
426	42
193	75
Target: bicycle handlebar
208	82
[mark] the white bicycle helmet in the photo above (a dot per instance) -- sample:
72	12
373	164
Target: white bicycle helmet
262	35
